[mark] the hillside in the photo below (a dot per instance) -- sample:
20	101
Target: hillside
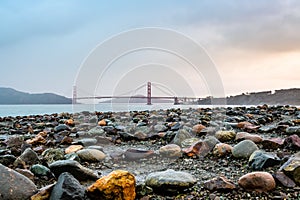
12	96
279	97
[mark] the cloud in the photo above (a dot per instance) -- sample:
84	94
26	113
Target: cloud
259	26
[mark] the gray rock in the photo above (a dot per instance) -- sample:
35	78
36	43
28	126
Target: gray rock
68	187
160	128
15	186
87	142
293	130
91	155
72	156
28	157
170	180
100	148
61	127
244	149
267	128
189	142
98	130
260	160
73	167
40	170
180	136
170	150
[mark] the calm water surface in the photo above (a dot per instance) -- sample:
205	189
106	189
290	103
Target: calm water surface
23	110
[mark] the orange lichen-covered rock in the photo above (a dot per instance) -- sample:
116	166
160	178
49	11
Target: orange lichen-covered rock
102	122
118	185
38	139
70	122
73	148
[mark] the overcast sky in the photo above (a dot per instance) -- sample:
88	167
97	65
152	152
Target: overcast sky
255	45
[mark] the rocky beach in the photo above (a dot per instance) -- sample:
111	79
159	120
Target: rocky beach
205	153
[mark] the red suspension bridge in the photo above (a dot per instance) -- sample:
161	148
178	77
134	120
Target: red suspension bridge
149	97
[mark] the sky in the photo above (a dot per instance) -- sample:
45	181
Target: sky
254	45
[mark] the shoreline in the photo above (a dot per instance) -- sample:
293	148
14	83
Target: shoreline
201	142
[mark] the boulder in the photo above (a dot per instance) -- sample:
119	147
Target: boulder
247	136
170	150
257	181
292	168
73	167
225	136
222	149
118	185
15	186
219	183
91	155
244	149
67	187
260	160
170	180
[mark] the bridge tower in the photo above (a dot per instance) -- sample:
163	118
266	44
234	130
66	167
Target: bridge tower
149	93
74	99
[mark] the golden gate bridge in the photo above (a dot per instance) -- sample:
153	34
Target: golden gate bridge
149	97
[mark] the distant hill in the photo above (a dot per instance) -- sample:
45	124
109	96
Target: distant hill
279	97
12	96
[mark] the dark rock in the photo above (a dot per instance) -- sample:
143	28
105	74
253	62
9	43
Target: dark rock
137	154
126	136
267	128
284	180
219	183
44	193
68	187
292	142
7	160
28	157
293	130
73	167
40	170
14	185
61	127
272	143
260	160
87	141
292	168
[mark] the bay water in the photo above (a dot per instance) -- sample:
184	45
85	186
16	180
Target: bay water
40	109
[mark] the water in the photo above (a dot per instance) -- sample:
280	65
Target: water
24	110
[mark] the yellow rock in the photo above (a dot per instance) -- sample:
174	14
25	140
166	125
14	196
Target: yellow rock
102	122
73	148
118	185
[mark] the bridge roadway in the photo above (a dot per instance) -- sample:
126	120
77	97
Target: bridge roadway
136	97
